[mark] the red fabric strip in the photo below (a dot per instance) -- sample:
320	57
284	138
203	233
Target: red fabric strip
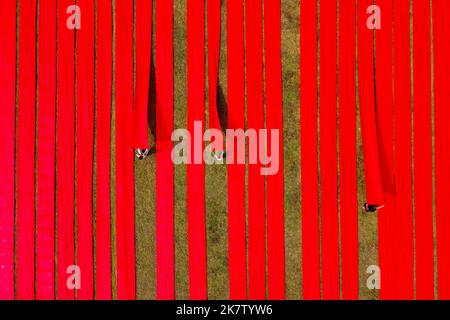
196	172
25	150
374	187
45	241
84	151
103	290
126	273
165	255
236	172
384	96
403	236
309	164
144	11
274	121
213	19
442	137
384	113
328	151
66	150
347	152
7	141
423	189
255	121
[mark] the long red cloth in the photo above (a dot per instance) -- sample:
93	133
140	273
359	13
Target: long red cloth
196	171
255	121
84	147
45	235
214	21
274	121
126	273
237	246
347	152
26	118
374	187
7	141
65	179
403	236
309	166
328	151
385	136
423	178
441	27
103	283
165	265
144	12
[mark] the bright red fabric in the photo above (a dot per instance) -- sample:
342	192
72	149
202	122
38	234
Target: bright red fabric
441	27
423	179
165	255
347	152
7	141
328	151
65	180
403	236
255	121
237	245
26	121
103	283
374	187
84	147
385	136
214	20
385	123
274	121
196	172
144	12
45	240
309	161
126	263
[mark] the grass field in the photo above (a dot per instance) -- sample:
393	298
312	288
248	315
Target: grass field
216	183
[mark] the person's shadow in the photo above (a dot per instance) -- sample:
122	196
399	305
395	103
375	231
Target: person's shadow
222	108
